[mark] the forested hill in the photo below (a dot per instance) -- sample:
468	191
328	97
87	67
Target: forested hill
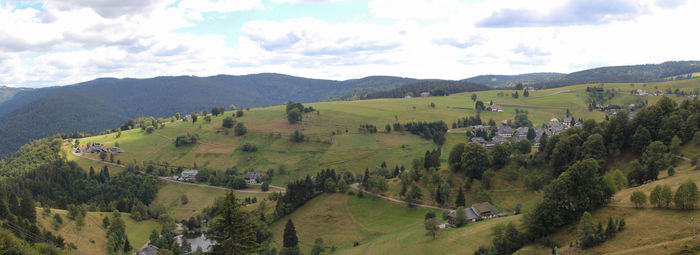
106	103
435	87
511	80
8	92
622	74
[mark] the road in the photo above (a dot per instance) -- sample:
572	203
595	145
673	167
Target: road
355	186
77	154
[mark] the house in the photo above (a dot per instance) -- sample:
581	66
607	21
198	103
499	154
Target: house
658	92
554	120
485	210
98	149
567	121
480	128
149	249
504	131
530	88
538	135
115	150
187	117
556	128
471	215
498	139
479	140
613	111
252	177
425	94
495	108
188	174
640	92
476	212
521	133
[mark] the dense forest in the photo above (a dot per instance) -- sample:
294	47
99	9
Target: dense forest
512	80
435	87
102	104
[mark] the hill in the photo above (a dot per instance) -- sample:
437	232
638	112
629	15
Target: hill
8	92
107	102
510	80
622	74
434	87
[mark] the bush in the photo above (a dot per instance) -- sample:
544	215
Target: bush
188	139
228	122
297	137
150	129
240	129
249	147
639	199
460	216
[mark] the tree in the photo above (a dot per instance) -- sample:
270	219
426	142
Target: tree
240	129
460	201
455	157
432	226
473	97
232	229
294	116
687	196
587	235
655	158
675	147
531	134
475	160
479	106
526	93
500	155
342	185
227	122
387	128
639	199
290	240
27	209
318	247
671	171
239	113
413	194
460	216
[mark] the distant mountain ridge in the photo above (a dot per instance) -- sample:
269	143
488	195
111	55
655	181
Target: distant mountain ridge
493	80
105	103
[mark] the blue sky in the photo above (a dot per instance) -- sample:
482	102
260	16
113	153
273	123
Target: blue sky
64	42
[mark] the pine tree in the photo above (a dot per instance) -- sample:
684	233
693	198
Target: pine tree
461	201
610	229
290	241
232	229
27	209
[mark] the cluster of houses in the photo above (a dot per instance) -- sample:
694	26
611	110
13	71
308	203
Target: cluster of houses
641	92
505	132
477	212
191	175
97	148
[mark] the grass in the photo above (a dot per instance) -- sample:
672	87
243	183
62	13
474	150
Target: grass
198	198
380	227
335	141
91	238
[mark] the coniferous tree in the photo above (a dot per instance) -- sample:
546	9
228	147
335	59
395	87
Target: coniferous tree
461	201
27	209
232	229
290	240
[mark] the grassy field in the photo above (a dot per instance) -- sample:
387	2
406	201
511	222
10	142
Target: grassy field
648	231
91	238
379	226
351	150
198	198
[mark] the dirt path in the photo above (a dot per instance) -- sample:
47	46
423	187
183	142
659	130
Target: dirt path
75	153
555	93
355	186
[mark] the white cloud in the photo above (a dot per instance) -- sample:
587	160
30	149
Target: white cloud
80	40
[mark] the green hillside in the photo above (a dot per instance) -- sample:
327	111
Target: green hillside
330	146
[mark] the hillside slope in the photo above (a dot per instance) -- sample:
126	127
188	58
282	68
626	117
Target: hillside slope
510	80
106	103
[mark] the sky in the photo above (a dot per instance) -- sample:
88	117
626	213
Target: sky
49	43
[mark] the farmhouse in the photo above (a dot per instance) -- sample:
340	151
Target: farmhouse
149	249
521	133
494	108
476	212
98	149
640	92
504	130
478	139
425	94
252	177
188	174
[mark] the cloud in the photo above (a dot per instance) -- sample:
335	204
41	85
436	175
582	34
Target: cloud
670	4
109	8
530	51
573	12
312	37
460	43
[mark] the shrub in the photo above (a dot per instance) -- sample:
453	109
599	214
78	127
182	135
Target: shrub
240	129
249	147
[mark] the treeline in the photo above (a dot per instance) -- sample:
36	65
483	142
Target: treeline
435	88
434	131
303	190
30	156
